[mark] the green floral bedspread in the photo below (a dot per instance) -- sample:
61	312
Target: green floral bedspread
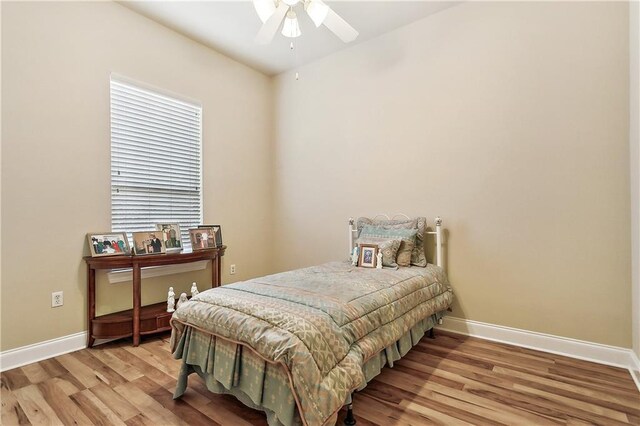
321	323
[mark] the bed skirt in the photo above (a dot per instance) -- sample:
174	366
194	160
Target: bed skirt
230	368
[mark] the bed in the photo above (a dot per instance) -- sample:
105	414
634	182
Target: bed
297	344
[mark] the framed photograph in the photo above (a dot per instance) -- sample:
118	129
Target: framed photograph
148	242
202	238
170	236
108	244
368	255
218	233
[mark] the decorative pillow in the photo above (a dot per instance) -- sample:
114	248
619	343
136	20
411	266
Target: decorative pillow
418	257
389	249
407	236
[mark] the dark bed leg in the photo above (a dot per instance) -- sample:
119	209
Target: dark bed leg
350	420
432	333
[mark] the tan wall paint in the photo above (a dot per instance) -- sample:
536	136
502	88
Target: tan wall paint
473	96
0	177
508	119
634	141
56	62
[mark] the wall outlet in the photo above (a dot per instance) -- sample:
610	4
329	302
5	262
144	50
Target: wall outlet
232	269
57	299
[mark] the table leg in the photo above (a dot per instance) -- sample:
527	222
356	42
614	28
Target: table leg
136	304
215	271
91	304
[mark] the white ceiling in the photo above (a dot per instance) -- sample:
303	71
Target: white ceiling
230	27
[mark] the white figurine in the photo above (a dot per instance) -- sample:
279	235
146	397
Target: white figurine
379	260
354	257
194	290
171	300
183	299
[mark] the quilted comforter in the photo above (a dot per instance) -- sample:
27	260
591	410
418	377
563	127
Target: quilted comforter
321	323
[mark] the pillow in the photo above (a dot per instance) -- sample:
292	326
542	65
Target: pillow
407	237
389	249
418	257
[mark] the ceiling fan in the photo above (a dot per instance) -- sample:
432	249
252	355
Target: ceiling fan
273	12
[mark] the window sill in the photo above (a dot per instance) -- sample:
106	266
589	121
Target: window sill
125	275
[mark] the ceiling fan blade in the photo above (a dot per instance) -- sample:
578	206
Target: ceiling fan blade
317	11
270	28
340	27
264	9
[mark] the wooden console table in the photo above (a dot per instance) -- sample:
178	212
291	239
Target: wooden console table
140	320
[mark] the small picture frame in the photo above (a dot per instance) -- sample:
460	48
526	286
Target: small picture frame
368	255
148	242
217	231
170	236
202	238
108	244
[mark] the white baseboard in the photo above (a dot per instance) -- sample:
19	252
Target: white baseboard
635	369
588	351
38	351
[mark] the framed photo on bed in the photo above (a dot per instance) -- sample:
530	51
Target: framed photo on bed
148	242
368	255
108	243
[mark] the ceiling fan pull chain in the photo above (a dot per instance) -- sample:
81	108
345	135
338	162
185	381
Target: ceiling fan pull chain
295	58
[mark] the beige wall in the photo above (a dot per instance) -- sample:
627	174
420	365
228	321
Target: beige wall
56	62
508	119
0	179
634	140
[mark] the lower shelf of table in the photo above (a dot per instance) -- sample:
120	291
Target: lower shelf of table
153	319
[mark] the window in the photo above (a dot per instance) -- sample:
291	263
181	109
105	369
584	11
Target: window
156	168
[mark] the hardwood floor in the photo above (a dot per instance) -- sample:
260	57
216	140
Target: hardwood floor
450	380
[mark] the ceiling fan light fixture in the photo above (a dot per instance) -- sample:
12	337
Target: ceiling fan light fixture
291	27
279	15
317	11
264	9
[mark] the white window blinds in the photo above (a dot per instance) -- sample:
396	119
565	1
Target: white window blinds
156	167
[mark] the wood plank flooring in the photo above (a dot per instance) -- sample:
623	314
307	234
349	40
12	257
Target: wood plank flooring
452	380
